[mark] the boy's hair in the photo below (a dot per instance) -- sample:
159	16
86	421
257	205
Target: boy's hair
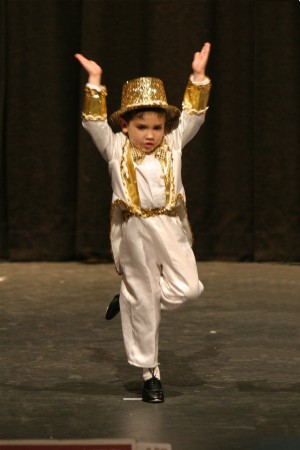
130	115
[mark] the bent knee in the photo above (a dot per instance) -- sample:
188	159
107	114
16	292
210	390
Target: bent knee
192	292
173	298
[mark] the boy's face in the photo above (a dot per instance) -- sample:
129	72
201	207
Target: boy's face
145	130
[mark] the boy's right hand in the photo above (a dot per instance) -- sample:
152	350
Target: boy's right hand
93	69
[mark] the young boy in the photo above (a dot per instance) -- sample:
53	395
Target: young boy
150	234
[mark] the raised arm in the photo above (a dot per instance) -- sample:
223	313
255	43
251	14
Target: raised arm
94	113
195	98
94	102
197	92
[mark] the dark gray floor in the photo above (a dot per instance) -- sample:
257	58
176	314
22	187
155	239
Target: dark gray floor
230	363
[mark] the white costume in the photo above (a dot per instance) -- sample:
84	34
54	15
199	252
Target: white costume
150	234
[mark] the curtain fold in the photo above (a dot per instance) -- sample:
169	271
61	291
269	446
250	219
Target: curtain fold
240	172
3	179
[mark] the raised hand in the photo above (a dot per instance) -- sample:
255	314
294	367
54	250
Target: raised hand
93	69
200	61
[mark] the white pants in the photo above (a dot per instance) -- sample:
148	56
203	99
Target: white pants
159	272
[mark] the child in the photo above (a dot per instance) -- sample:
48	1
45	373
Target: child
150	234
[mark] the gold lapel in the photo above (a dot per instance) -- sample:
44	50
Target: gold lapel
129	178
164	155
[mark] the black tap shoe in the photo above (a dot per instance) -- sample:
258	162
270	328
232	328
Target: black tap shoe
153	392
113	308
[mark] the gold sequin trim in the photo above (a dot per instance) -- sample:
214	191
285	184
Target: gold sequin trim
128	211
195	98
94	104
145	213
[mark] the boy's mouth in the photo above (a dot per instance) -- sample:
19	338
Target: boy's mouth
148	145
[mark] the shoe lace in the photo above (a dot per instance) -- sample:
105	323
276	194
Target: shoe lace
152	371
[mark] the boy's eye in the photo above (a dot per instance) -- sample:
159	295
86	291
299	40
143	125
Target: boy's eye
143	127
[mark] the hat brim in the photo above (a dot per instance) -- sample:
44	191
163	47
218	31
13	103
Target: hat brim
173	113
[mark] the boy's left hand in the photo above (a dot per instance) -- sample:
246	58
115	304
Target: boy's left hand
200	61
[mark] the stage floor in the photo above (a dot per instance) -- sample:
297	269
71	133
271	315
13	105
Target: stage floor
230	362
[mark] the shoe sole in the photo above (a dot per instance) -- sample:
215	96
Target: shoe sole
153	400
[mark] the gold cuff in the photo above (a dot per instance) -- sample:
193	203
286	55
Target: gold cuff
196	98
94	104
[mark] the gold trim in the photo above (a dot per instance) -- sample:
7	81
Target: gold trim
166	161
148	212
129	178
94	104
128	211
196	97
138	155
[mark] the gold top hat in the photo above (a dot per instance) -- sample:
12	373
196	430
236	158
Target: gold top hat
142	93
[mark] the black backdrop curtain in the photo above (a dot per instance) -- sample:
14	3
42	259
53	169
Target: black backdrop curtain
241	172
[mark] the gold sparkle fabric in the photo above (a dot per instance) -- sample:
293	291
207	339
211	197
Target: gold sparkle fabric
94	104
142	93
195	98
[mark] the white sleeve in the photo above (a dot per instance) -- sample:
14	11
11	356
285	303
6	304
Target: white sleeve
189	125
106	141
